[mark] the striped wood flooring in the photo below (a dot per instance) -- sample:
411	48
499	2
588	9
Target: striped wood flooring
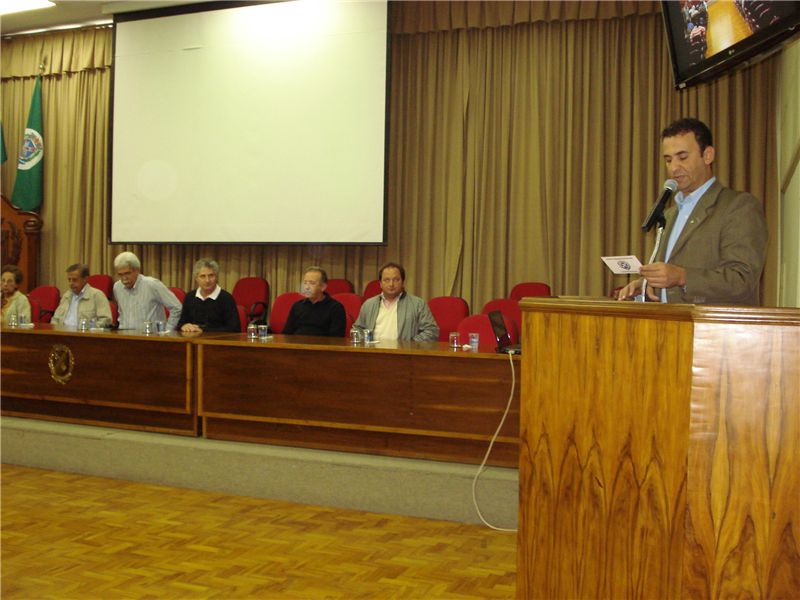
75	537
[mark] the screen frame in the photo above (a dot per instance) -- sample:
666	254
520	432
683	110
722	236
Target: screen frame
741	54
222	5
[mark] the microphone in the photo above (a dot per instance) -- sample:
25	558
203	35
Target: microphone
657	212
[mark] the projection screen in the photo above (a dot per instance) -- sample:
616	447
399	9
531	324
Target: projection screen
253	124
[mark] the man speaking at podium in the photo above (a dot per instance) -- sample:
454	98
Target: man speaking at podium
716	238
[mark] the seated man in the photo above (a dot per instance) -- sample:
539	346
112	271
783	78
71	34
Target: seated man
82	301
396	314
141	298
210	308
317	313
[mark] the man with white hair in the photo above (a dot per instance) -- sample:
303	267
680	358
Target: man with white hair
141	298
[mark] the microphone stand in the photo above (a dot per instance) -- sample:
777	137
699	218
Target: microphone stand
662	222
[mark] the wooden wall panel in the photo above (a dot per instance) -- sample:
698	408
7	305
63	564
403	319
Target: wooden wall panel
20	231
743	522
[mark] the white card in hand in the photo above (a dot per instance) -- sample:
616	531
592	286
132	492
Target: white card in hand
622	265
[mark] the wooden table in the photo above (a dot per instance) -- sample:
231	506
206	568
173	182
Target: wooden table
410	399
116	378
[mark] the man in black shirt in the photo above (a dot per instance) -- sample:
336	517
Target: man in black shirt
210	308
317	313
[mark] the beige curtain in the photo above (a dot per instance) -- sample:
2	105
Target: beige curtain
411	16
524	145
526	153
76	73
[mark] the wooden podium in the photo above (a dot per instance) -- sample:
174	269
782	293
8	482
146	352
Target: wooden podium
660	451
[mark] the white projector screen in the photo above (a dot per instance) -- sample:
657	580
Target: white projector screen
253	124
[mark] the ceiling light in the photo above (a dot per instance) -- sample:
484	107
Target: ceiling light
13	6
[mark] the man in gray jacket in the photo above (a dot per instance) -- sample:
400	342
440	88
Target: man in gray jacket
396	314
715	241
82	301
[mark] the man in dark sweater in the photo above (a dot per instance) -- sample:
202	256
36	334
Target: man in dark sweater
210	308
317	313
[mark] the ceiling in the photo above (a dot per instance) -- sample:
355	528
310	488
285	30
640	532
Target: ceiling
72	13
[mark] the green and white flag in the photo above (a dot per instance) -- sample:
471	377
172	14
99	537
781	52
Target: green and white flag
4	156
29	186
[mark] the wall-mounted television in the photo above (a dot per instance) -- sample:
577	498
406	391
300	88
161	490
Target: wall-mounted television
710	37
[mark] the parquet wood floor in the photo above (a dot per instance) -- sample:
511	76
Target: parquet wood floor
75	537
726	26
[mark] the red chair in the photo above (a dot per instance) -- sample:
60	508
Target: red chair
253	294
114	313
179	294
349	320
243	320
48	297
280	310
339	286
373	289
532	288
481	325
104	283
509	308
36	310
352	304
448	312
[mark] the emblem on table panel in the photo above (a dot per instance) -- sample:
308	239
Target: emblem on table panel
61	363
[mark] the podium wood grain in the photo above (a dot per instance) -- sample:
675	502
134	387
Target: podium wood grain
659	452
743	519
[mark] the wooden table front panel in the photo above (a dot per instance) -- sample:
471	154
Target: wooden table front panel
413	404
118	379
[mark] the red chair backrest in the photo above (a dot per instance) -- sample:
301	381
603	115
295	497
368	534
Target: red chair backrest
253	294
481	325
114	312
351	302
179	294
531	288
48	297
448	312
509	307
280	310
36	310
243	320
104	283
349	320
339	286
373	289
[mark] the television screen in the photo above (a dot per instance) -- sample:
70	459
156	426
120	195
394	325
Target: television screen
709	37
